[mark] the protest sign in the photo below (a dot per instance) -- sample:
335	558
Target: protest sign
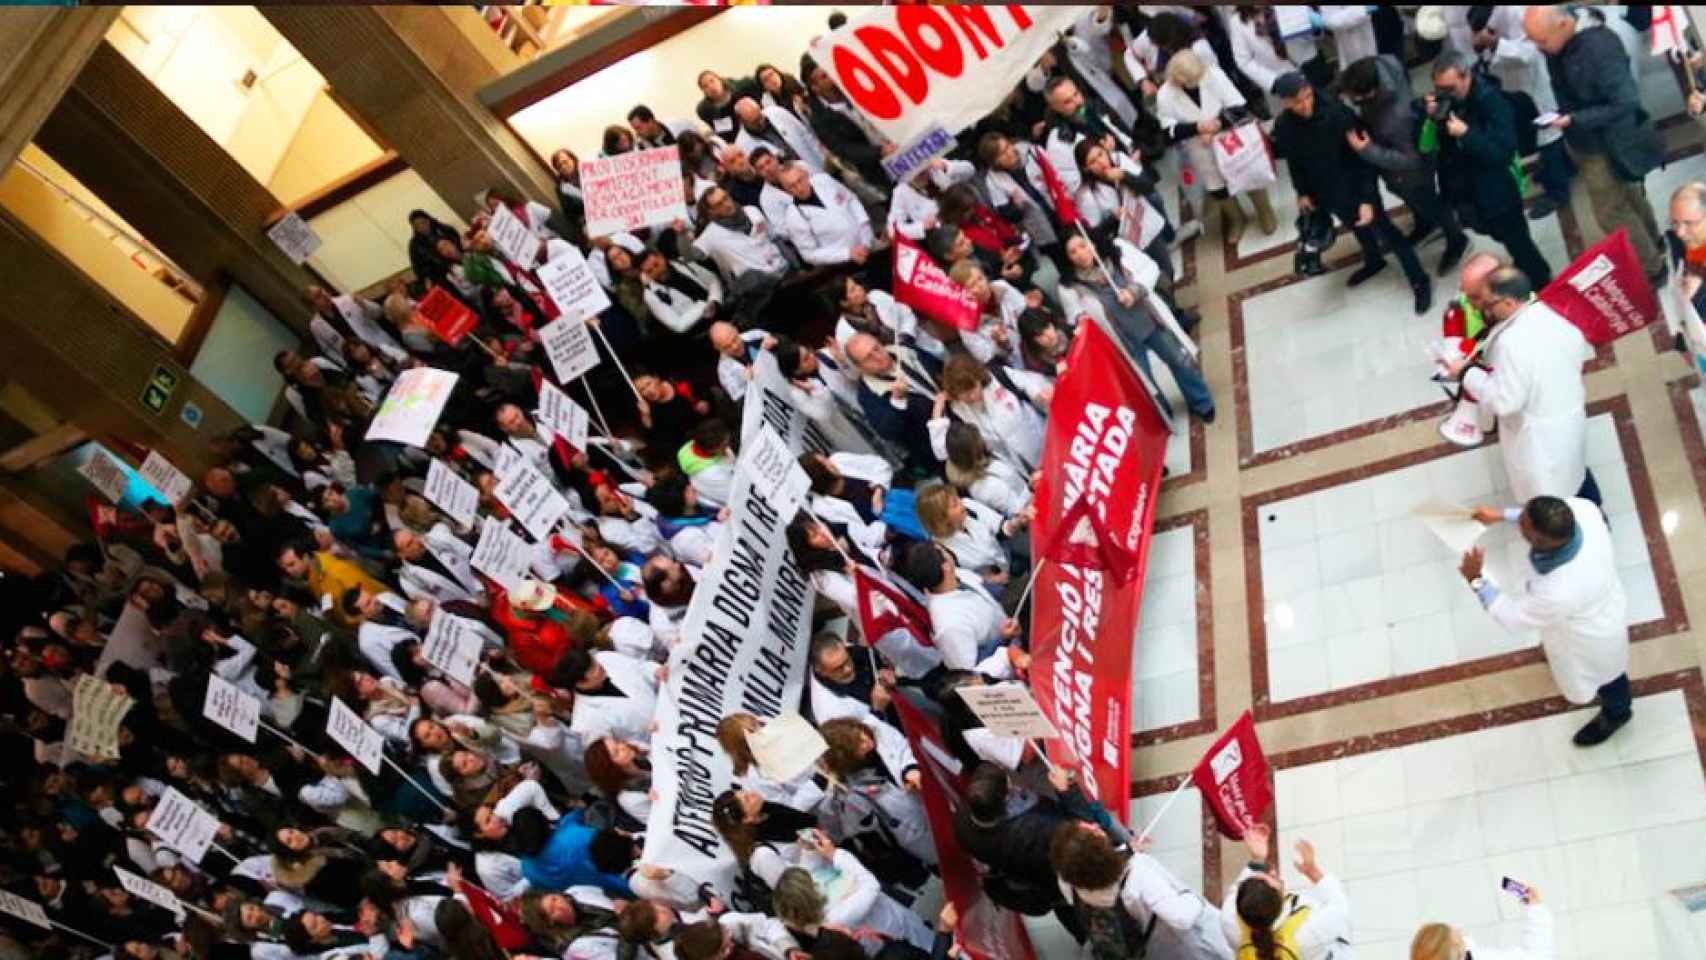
1007	710
920	284
1102	463
568	343
348	730
571	284
1233	778
448	318
500	554
412	406
912	68
1603	292
105	473
97	711
743	649
786	747
628	191
513	238
24	909
908	161
294	237
453	645
182	825
148	890
531	499
169	481
231	708
775	472
565	417
447	491
986	931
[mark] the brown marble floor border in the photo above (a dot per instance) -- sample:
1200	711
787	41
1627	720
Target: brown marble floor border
1248	458
1199	458
1197	520
1234	263
1675	619
1693	441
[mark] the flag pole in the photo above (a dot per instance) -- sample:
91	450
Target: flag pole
411	782
1184	781
80	933
598	329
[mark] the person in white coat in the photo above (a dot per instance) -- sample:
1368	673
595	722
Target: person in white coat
1575	599
679	294
875	782
1097	880
1193	106
1531	379
824	220
1007	405
1279	923
615	695
912	207
739	241
777	127
436	565
1439	941
1261	53
736	353
969	628
1353	32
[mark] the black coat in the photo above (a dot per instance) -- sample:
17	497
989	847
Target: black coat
1475	169
1323	166
1017	847
1591	80
844	138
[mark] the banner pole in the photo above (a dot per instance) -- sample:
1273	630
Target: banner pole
831	535
593	397
596	328
1030	582
1184	782
80	933
608	578
411	782
288	739
1042	755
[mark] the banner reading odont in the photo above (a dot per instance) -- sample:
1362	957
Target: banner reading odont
912	69
1095	506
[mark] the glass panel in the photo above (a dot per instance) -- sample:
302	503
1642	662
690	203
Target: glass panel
366	238
235	361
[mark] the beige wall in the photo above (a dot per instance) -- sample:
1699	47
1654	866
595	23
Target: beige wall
366	239
733	43
327	145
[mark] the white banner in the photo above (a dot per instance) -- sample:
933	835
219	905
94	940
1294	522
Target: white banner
97	710
564	416
231	708
775	472
770	402
569	344
172	483
572	286
182	825
446	490
513	238
501	555
105	473
641	188
150	891
295	237
412	407
914	68
531	499
24	909
452	645
348	730
743	649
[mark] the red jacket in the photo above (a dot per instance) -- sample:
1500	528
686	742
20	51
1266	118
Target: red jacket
536	640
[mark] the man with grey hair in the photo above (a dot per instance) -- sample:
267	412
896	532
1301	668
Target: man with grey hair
1685	295
1610	138
825	221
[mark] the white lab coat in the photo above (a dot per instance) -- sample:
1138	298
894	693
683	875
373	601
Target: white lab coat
1148	890
1536	390
731	373
1580	610
455	556
1174	106
1012	427
1002	188
627	717
1353	32
1001	316
737	253
826	235
902	810
910	207
963	619
1537	940
676	310
831	400
896	316
1143	59
797	135
1255	55
1097	200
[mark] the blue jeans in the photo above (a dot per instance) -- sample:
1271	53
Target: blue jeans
1184	369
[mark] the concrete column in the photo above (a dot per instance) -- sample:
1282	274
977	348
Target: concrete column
41	51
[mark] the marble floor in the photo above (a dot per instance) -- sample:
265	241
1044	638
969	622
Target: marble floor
1165	662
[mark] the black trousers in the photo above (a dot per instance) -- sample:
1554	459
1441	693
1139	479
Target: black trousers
1382	231
1510	229
1429	208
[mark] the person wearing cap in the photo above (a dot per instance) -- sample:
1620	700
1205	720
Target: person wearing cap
1311	136
541	624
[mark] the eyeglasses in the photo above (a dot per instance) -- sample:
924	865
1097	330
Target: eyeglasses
1689	224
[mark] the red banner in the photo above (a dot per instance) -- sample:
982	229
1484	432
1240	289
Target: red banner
1604	293
884	609
920	284
1233	778
449	319
1095	506
986	931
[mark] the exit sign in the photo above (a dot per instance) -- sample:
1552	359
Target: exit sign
161	384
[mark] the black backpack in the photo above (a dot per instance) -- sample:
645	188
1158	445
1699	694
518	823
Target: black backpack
1111	932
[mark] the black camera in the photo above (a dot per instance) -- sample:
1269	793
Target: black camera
1444	105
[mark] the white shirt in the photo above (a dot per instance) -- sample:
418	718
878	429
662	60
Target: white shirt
962	620
910	207
737	253
795	134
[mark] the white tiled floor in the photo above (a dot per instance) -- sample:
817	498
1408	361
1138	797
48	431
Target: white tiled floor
1164	662
1178	457
1322	357
1426	832
1356	590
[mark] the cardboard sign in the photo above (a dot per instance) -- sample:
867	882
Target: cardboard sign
412	406
633	190
905	163
531	499
569	344
501	555
1451	524
448	318
775	472
786	747
105	473
571	284
447	491
563	415
146	889
24	909
348	730
1008	710
453	645
182	825
172	483
294	237
513	238
231	708
97	710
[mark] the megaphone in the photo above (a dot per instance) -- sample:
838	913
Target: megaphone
1463	427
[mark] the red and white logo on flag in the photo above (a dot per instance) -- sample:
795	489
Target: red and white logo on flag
884	609
1666	29
1233	778
920	284
1603	292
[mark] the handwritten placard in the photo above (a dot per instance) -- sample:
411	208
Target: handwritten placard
231	708
182	825
564	416
1008	710
146	889
348	730
633	190
172	483
513	238
106	474
531	499
96	712
568	343
501	555
446	490
452	645
571	284
412	406
294	237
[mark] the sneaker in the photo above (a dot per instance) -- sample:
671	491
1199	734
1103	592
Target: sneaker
1454	250
1363	272
1424	297
1598	730
1543	208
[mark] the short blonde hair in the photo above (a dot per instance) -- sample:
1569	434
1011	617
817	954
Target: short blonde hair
797	900
932	505
1436	941
1186	69
961	272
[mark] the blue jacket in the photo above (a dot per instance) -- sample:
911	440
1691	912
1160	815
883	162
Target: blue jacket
566	861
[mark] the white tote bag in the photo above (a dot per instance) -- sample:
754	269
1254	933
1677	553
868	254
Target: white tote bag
1242	155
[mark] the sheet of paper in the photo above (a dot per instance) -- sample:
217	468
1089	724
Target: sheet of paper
1452	524
786	747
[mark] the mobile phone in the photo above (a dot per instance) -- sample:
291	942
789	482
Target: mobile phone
807	837
1516	887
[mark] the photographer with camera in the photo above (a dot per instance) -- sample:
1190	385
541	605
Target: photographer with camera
1480	171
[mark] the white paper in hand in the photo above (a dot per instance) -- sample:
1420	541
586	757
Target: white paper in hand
786	747
1008	710
1452	524
231	708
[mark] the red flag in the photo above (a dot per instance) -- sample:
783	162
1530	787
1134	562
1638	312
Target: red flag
449	319
1095	506
920	284
1604	293
884	609
111	523
986	931
1233	778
